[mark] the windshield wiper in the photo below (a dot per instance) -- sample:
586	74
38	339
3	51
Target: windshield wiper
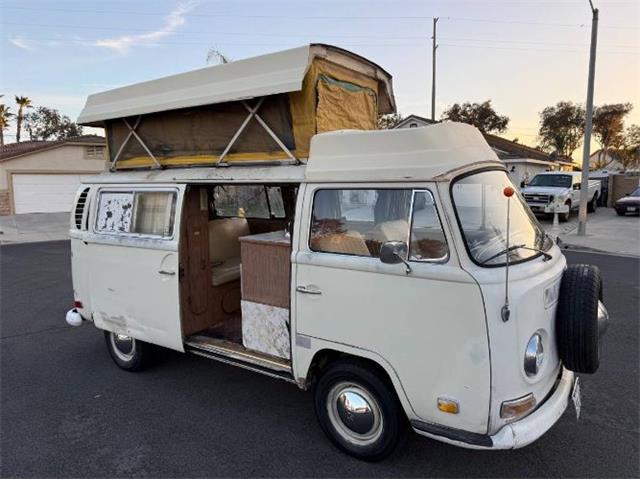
517	247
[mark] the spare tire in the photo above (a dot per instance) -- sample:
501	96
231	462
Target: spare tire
577	318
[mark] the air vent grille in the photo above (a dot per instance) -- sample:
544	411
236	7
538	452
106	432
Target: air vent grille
82	201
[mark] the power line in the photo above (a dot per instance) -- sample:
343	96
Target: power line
318	17
325	35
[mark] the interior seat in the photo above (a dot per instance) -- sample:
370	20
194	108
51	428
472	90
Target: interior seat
350	242
224	248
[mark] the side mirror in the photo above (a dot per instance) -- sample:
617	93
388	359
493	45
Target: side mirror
395	252
576	186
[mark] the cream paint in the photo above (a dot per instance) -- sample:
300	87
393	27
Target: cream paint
436	345
129	295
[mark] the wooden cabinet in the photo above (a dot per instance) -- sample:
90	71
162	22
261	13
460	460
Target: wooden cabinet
266	268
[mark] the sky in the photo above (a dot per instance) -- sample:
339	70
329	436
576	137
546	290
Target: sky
524	55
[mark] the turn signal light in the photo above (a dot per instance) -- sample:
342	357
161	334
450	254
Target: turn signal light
516	408
448	406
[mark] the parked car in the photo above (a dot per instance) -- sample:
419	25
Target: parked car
629	203
551	192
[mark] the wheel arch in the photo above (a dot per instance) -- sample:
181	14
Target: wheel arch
326	355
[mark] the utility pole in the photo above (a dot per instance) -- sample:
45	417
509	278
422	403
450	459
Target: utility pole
586	152
433	71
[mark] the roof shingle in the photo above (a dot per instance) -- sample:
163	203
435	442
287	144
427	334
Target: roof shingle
16	149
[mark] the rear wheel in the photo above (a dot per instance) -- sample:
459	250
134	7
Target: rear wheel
593	204
127	352
359	411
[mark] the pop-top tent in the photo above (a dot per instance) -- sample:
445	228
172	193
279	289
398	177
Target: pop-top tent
261	109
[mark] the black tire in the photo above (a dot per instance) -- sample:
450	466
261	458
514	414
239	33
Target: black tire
564	217
593	204
621	212
385	435
577	318
133	360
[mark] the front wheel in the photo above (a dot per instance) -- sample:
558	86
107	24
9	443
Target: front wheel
592	206
359	411
127	352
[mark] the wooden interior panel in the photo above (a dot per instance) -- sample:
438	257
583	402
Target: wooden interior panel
266	269
195	271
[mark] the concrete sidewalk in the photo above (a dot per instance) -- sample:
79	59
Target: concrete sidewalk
606	232
34	227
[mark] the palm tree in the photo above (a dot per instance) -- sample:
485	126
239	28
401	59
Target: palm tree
5	118
23	102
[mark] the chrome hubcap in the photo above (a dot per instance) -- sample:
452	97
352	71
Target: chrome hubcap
123	346
354	413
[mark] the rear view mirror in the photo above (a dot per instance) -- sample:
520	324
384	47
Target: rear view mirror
395	252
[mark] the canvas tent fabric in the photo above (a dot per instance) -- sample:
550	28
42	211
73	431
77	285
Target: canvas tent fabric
335	89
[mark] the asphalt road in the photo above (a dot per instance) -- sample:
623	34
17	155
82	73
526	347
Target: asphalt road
68	411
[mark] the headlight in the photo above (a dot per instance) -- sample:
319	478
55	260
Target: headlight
533	355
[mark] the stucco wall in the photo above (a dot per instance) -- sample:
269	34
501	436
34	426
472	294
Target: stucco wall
64	159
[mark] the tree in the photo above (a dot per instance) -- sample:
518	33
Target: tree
388	120
5	118
47	123
629	153
561	128
480	115
608	129
23	102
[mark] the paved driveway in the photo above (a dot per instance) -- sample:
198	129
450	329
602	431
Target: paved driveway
68	411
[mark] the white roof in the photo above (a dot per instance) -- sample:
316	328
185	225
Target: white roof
269	74
422	153
432	153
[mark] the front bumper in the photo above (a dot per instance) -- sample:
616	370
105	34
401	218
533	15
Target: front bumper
523	432
548	208
513	435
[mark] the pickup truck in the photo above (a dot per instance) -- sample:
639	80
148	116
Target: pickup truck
551	192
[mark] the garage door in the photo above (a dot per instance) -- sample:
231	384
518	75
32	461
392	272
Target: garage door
34	193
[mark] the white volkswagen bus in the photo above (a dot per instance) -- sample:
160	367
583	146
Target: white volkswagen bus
396	274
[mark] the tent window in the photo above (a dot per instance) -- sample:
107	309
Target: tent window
344	105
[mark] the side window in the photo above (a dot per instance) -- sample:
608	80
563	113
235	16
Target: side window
240	201
359	221
143	213
427	238
153	213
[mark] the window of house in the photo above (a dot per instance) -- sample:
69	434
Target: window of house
141	213
359	221
94	151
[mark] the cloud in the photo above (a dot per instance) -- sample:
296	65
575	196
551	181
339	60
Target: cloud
173	22
22	43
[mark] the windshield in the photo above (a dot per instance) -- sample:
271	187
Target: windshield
551	181
482	212
635	193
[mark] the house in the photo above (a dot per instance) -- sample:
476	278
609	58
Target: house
610	161
522	162
43	176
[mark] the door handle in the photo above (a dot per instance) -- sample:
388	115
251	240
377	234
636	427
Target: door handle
309	290
166	272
